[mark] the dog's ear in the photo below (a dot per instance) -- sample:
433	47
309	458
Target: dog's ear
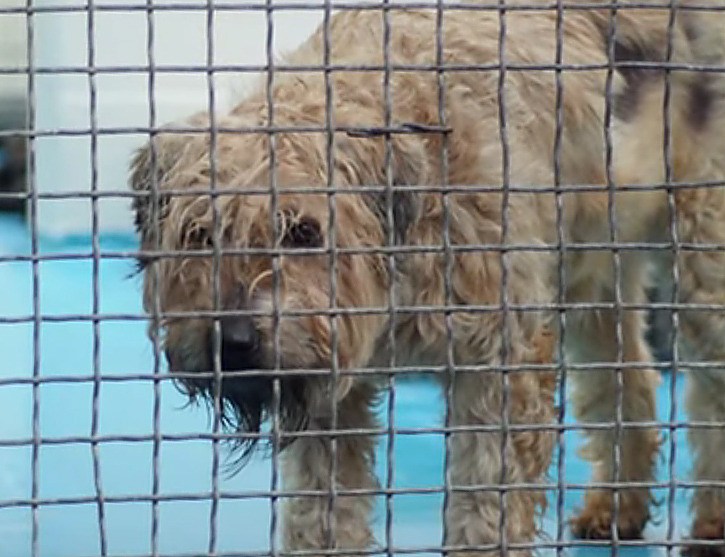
148	168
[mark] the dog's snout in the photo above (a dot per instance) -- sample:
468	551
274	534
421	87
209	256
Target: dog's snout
239	331
240	342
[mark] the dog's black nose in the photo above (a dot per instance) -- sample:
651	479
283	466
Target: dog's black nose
240	343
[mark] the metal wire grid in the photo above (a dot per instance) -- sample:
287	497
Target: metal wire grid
393	310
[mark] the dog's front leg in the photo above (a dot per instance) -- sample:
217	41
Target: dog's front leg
478	470
332	519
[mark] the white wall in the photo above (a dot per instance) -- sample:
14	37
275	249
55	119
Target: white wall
12	55
63	102
12	38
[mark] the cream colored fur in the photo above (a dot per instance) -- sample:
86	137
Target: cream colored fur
475	217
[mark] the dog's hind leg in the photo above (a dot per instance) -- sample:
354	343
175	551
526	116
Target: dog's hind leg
331	519
701	219
706	403
591	337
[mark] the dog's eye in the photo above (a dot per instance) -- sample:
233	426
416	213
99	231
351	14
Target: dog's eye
197	238
200	239
302	233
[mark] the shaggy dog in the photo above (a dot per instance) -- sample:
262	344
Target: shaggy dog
448	222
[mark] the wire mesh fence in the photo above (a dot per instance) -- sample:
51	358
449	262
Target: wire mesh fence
488	198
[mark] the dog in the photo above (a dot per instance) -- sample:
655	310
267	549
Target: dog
452	221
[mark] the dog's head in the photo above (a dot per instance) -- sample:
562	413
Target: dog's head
249	279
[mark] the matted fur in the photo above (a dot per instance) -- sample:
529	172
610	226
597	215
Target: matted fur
363	280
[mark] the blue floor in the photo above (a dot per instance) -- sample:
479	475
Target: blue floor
125	408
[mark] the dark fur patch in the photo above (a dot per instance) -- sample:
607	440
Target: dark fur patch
702	94
149	209
404	212
146	214
690	25
247	403
627	101
146	172
702	99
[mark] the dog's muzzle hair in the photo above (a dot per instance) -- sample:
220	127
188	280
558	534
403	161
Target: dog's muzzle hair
244	383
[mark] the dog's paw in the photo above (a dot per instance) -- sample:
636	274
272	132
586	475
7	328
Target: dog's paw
712	530
594	522
699	550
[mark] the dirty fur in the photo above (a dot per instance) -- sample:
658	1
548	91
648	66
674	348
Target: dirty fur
174	214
